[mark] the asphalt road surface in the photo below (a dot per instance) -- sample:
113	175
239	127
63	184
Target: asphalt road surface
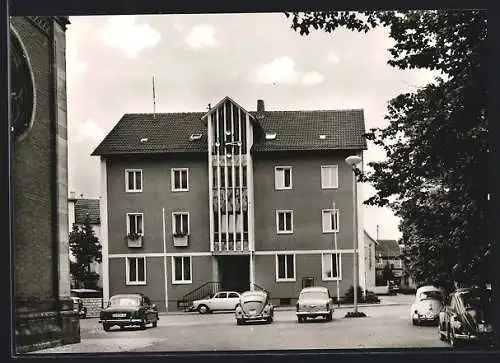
386	326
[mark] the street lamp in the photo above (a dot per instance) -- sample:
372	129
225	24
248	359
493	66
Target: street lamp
353	160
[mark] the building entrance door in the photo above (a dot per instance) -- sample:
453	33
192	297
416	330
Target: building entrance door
234	273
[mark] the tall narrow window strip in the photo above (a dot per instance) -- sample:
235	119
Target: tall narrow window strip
140	269
178	269
290	267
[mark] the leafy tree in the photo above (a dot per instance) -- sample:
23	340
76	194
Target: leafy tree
86	248
435	177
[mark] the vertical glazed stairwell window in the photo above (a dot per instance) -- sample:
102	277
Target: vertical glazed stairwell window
330	265
285	267
180	223
180	180
329	177
181	270
136	270
135	223
283	177
330	220
133	180
284	221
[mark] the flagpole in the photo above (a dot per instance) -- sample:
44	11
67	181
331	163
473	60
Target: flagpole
154	98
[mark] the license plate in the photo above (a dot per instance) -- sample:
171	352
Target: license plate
253	312
119	315
485	328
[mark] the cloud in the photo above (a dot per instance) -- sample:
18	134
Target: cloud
202	36
122	33
89	129
312	78
280	70
333	57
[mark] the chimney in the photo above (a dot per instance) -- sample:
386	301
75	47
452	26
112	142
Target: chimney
260	106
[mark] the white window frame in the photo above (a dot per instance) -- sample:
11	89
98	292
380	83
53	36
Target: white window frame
336	174
127	270
277	185
278	224
324	228
183	281
174	231
339	266
134	190
172	179
142	220
286	279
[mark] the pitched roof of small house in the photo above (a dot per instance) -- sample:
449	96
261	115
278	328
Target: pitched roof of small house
388	248
84	207
370	238
147	133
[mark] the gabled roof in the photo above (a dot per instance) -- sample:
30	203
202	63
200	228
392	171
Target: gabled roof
295	131
370	238
165	132
87	206
388	248
301	130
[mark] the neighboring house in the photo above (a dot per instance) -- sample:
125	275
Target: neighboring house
388	252
78	209
230	199
370	261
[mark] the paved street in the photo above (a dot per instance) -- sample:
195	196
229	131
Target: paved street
387	326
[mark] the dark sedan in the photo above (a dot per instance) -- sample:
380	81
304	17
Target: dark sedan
467	317
254	306
129	310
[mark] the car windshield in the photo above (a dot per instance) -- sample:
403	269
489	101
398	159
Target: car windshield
253	297
314	295
477	300
125	301
431	295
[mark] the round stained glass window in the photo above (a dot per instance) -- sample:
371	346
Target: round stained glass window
22	93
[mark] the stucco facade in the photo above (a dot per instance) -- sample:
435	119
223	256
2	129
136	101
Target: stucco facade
244	229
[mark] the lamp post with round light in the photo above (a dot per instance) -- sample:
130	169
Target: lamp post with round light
352	161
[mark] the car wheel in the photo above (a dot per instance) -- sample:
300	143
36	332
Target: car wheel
415	322
142	325
441	336
155	323
300	319
106	326
203	309
270	320
329	317
239	321
454	342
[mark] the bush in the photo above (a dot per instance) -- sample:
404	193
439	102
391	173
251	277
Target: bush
371	297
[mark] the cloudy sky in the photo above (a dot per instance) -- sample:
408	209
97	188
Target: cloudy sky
199	59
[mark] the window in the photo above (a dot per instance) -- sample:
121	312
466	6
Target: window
181	270
330	266
133	180
180	222
180	182
135	223
284	221
136	270
329	177
285	267
221	295
330	220
233	295
283	177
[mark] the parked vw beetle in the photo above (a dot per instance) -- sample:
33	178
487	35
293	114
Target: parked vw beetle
129	310
427	305
314	302
467	317
254	306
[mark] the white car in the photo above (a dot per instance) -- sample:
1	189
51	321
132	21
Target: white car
427	305
314	302
222	300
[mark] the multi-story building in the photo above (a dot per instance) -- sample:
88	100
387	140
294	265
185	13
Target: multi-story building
370	245
78	211
388	254
230	197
